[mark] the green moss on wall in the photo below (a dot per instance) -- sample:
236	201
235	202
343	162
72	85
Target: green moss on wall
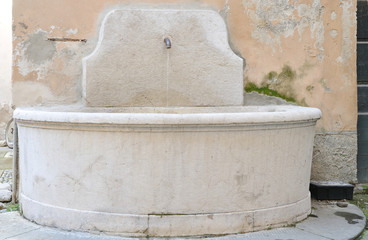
287	73
271	75
251	87
277	84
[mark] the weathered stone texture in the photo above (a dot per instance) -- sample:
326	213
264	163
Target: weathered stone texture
334	157
6	113
131	67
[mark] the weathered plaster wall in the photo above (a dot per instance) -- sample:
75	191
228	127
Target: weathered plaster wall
5	65
301	50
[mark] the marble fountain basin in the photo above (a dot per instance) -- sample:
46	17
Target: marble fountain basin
157	171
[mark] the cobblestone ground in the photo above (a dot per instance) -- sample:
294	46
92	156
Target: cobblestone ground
6	176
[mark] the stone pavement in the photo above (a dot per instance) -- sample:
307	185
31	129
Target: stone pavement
327	221
6	159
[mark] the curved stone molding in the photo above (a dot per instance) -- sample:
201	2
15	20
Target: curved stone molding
165	225
131	65
166	174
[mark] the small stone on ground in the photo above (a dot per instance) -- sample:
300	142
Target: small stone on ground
6	176
342	204
5	195
5	186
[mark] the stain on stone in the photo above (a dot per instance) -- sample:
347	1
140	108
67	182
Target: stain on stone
349	217
272	75
38	50
303	103
310	88
241	179
38	179
323	83
287	73
23	25
304	69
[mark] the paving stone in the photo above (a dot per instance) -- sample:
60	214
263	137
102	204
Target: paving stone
13	225
5	162
329	222
5	186
8	155
279	234
6	176
5	195
47	233
342	204
334	222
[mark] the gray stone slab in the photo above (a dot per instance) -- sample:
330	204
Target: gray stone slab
46	234
334	222
276	234
5	149
11	225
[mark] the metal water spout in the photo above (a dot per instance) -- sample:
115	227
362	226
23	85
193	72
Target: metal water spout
167	42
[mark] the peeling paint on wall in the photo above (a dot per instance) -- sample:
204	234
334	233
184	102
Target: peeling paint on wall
35	55
273	19
334	33
347	22
50	67
38	50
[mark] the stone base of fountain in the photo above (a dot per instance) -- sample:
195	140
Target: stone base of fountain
166	171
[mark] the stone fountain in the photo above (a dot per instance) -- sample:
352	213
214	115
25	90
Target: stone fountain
162	144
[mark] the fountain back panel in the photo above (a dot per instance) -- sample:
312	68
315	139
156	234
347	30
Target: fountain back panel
162	145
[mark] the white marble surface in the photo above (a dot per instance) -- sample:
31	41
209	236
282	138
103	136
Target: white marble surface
160	170
131	66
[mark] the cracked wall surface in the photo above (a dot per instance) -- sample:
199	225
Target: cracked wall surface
301	49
